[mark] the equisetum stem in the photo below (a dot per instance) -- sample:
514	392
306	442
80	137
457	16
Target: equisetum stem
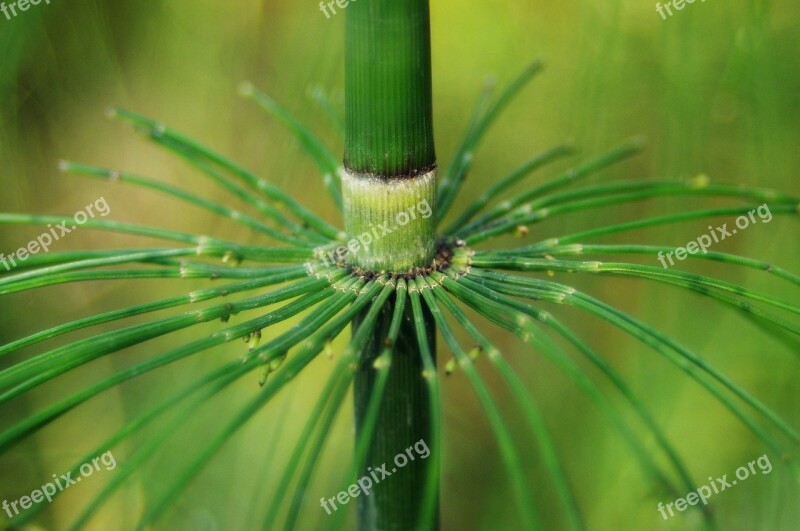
396	503
391	222
389	195
388	109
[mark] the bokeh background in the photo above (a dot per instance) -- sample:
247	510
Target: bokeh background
714	89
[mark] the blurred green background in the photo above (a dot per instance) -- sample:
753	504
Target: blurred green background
714	89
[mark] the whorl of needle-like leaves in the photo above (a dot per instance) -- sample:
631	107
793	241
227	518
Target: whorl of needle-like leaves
258	286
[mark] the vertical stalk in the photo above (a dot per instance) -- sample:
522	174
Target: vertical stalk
396	503
389	187
388	109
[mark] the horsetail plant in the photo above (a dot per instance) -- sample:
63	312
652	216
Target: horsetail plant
393	277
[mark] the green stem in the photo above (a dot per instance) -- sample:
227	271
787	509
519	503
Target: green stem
389	193
391	223
389	119
404	419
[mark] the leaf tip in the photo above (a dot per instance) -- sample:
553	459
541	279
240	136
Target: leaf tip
245	89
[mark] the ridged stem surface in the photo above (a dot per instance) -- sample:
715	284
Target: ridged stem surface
389	193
